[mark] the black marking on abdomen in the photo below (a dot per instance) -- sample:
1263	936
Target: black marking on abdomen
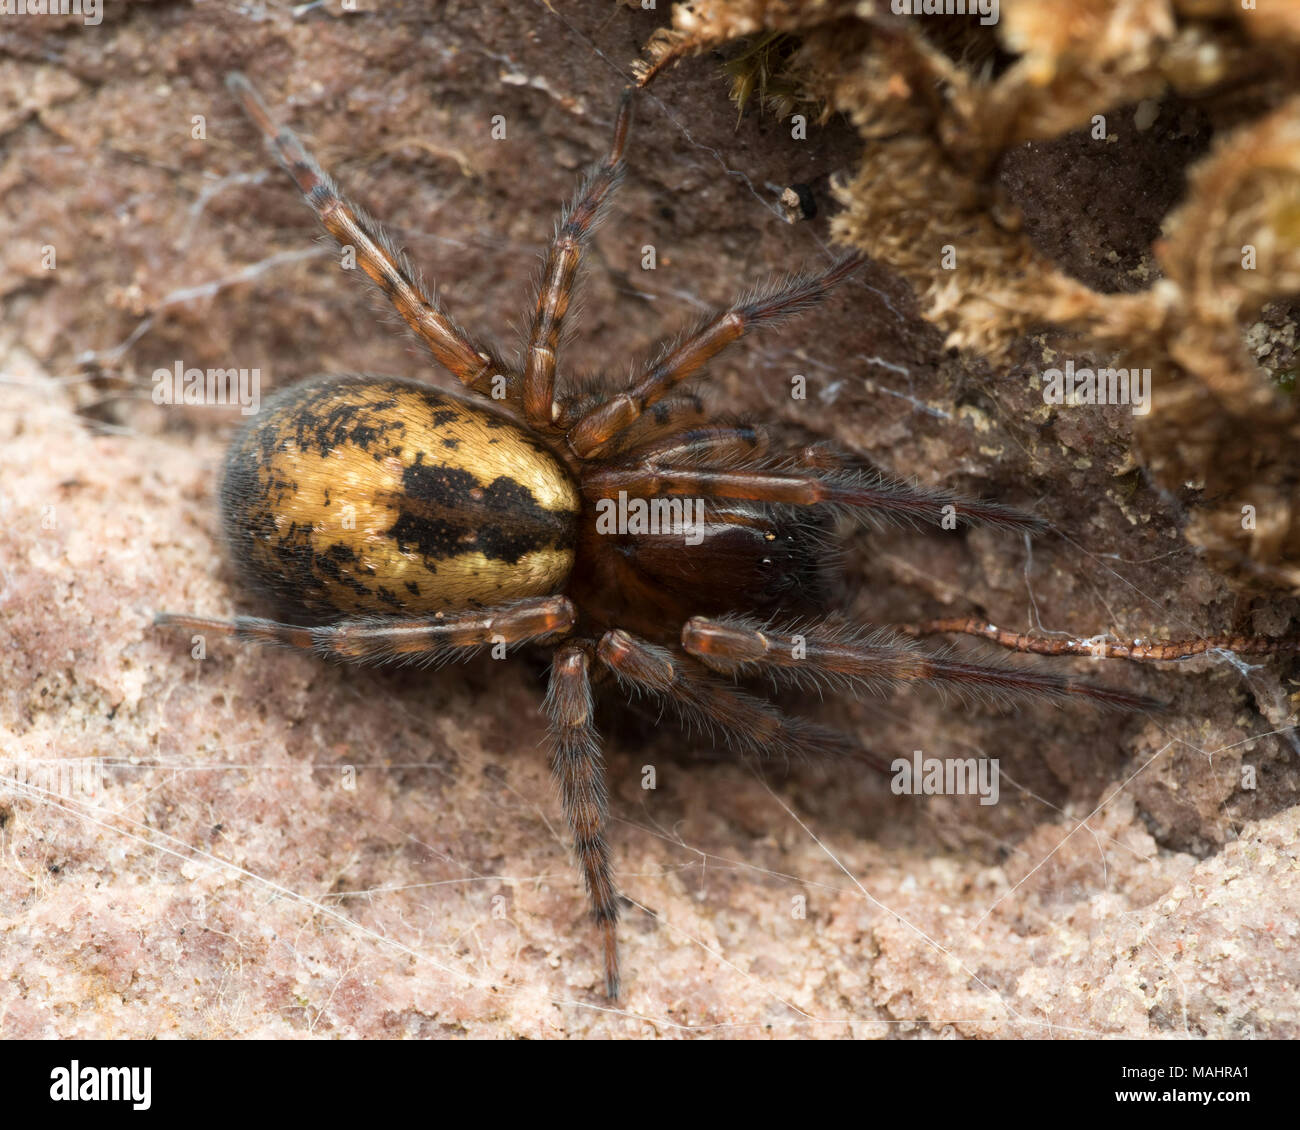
444	512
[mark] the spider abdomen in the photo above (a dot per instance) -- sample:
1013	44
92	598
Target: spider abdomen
364	495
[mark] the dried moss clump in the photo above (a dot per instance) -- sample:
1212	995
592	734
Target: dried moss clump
941	101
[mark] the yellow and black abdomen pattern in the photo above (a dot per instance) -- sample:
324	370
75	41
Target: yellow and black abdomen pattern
365	495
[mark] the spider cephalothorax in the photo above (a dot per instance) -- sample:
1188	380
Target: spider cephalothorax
394	522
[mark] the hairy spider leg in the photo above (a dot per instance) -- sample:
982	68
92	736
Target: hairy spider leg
713	444
857	492
560	271
743	722
579	773
846	656
423	641
474	365
682	359
669	416
750	725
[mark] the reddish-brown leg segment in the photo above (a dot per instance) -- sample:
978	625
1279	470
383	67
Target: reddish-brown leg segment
684	358
560	272
711	445
842	656
670	416
423	641
471	363
743	722
854	491
579	772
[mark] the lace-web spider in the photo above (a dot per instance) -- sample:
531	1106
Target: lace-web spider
393	522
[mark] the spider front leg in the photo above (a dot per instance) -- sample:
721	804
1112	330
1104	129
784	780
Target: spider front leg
684	358
473	365
560	272
579	772
422	640
842	656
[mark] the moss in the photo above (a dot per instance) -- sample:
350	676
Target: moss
945	109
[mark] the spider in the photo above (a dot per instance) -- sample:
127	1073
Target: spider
389	521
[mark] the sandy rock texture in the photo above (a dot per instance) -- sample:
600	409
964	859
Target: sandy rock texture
252	843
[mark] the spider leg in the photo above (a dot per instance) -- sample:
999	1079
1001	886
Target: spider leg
671	415
859	492
1153	650
711	445
422	640
842	656
747	724
560	271
684	358
473	365
579	772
